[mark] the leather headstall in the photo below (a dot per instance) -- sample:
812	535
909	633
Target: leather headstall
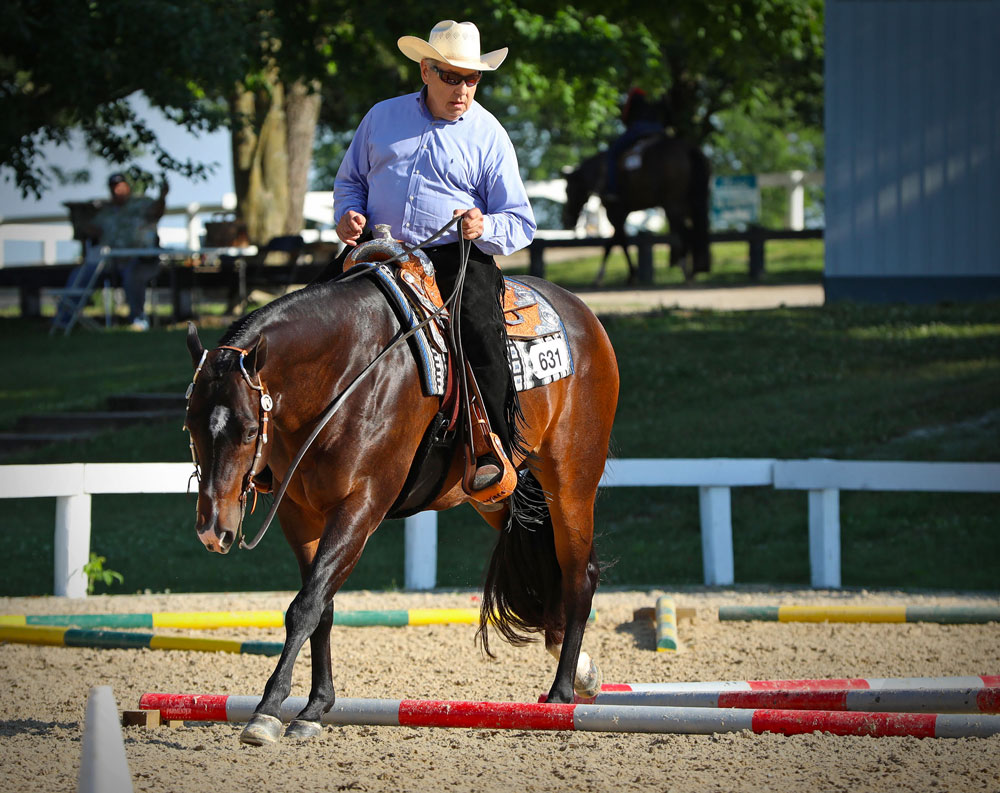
266	405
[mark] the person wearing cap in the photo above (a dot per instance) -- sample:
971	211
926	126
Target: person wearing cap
418	160
128	221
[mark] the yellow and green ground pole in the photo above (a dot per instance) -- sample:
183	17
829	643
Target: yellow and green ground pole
208	620
946	615
666	626
83	637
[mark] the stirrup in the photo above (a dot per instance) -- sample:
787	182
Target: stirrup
499	489
487	460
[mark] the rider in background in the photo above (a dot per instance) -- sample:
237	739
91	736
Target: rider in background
642	119
418	160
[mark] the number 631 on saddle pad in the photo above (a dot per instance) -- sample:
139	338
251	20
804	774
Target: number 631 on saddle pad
536	338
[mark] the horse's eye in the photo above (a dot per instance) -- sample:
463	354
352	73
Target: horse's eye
251	434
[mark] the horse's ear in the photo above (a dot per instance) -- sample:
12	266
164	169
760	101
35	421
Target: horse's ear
194	344
256	355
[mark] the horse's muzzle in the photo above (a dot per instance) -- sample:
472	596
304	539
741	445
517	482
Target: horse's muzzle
218	542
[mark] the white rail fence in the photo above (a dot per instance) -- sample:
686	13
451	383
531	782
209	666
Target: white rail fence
73	485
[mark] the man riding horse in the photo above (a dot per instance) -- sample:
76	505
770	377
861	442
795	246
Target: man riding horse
417	161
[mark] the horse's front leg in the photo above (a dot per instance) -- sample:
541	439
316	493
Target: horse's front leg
632	271
310	615
322	693
599	280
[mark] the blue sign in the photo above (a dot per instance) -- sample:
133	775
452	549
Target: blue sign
735	201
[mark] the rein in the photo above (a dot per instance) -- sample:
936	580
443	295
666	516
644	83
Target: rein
465	247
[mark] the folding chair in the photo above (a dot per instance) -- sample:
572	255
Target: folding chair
72	299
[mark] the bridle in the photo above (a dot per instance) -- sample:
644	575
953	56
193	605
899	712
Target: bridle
266	404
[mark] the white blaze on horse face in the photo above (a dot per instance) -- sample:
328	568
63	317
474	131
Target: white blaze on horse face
218	420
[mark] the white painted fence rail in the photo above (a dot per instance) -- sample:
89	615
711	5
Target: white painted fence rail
73	484
824	479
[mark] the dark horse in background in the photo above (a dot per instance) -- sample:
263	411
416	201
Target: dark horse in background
303	350
663	171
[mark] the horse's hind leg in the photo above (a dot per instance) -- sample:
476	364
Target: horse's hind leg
680	248
573	526
588	678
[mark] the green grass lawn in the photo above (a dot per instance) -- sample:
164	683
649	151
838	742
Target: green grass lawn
787	262
846	381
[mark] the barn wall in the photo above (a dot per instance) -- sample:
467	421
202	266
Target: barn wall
912	149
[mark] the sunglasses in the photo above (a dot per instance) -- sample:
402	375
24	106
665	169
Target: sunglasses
454	78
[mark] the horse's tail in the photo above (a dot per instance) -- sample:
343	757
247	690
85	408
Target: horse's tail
699	197
522	592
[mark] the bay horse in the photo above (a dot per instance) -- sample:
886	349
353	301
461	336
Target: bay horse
665	172
279	368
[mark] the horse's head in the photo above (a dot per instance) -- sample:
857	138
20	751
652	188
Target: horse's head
227	418
578	190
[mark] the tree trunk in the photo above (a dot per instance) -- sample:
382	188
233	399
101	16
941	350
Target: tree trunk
260	161
272	141
301	114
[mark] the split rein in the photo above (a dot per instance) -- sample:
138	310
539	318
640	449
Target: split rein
267	404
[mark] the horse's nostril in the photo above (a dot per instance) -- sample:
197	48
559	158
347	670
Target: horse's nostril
226	539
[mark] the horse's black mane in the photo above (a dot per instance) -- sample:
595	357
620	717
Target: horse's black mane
292	304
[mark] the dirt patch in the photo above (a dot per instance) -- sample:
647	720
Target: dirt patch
45	692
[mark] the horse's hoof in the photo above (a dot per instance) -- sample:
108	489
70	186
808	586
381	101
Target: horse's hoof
588	684
302	730
261	729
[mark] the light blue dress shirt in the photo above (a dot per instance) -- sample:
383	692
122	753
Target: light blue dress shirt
411	171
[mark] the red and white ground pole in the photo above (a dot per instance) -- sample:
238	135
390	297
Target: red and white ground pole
591	718
973	694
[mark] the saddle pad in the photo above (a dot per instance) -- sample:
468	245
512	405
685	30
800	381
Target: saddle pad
428	345
633	157
536	338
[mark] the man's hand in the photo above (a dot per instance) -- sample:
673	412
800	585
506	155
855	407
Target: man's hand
349	227
472	223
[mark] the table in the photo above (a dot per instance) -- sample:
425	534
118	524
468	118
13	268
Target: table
182	269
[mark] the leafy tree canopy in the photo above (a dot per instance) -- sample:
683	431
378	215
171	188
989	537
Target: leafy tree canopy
69	65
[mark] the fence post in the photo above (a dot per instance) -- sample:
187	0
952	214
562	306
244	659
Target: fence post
192	225
420	551
30	301
824	538
644	244
536	252
716	535
72	545
756	238
797	201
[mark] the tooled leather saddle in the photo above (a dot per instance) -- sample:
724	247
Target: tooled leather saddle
537	348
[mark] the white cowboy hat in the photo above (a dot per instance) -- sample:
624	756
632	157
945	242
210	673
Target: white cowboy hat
456	43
